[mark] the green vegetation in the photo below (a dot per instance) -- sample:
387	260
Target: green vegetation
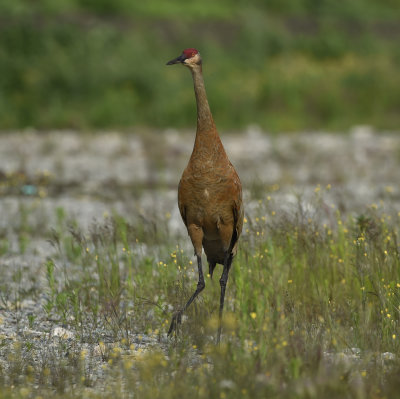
284	65
312	311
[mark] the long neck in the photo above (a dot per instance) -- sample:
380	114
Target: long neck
208	148
205	122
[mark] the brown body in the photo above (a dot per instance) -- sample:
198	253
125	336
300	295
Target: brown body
209	194
210	199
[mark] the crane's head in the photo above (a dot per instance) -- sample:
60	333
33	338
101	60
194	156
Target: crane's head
189	57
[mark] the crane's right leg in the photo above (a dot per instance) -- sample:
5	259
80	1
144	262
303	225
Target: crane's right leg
196	235
177	318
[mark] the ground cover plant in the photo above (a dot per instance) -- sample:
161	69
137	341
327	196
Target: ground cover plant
94	259
312	309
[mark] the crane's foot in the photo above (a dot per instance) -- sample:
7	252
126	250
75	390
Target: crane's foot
176	320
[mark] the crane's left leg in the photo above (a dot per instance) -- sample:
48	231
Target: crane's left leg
222	282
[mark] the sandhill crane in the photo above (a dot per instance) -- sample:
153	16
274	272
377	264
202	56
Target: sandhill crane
209	193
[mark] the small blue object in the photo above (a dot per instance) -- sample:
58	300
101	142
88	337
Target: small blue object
29	189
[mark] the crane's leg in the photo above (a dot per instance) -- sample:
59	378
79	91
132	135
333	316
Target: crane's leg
222	282
177	318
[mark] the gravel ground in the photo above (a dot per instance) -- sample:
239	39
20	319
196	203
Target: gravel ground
91	176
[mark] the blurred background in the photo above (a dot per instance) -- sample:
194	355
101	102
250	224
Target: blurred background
284	65
92	245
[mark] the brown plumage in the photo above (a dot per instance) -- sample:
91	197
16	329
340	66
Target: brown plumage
209	194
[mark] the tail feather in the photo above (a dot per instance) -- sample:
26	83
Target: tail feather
211	267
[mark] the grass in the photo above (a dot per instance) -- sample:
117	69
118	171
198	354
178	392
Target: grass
282	65
312	310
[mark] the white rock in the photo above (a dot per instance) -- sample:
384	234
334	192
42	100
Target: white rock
62	333
227	384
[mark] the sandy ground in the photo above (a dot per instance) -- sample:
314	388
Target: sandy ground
90	175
